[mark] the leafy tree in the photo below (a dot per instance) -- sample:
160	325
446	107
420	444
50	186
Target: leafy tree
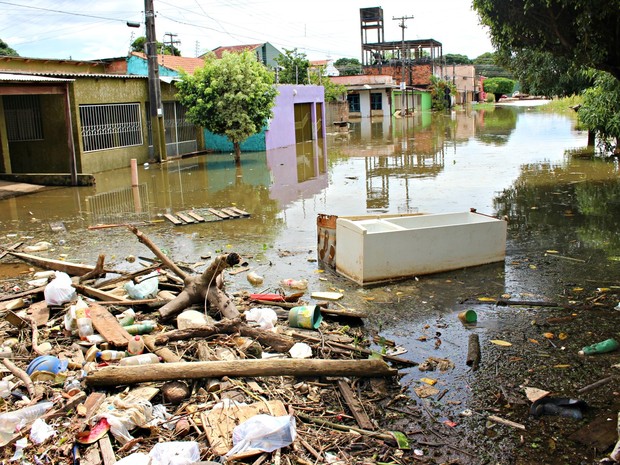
498	86
440	93
139	45
293	67
487	58
582	31
348	66
540	73
601	110
232	96
456	59
333	91
5	50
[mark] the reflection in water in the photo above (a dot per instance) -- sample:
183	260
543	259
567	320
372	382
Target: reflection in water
427	163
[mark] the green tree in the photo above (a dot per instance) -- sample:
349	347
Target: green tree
440	93
582	31
5	50
348	66
601	110
456	59
487	58
293	67
498	86
139	45
540	73
333	92
232	96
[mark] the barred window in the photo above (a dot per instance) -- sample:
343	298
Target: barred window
110	126
23	117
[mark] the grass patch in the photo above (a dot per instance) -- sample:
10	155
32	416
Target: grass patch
562	105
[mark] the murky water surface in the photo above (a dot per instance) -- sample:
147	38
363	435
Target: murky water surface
563	211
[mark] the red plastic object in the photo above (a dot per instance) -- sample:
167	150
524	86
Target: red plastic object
268	297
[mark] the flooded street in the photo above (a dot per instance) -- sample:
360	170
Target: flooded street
563	212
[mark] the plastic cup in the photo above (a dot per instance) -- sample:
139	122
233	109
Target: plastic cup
468	316
306	316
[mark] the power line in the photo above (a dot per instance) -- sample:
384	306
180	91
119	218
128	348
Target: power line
63	12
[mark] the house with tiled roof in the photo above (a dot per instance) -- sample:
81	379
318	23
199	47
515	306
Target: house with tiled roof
265	52
169	65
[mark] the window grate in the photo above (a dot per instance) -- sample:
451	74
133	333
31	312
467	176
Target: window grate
23	118
110	126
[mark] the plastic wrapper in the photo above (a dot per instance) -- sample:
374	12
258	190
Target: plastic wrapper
41	431
264	317
175	453
125	414
59	290
263	432
300	350
146	289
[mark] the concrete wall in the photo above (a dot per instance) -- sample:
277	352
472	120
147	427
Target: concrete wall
280	130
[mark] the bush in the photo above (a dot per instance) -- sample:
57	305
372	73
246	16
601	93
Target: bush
490	98
499	86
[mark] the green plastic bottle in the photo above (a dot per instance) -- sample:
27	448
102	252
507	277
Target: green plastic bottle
608	345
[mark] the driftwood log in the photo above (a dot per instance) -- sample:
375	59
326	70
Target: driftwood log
473	352
278	342
196	289
121	375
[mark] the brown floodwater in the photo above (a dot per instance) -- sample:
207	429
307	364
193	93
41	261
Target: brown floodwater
562	205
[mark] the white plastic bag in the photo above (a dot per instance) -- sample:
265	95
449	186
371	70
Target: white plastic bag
146	289
175	453
265	317
59	290
263	432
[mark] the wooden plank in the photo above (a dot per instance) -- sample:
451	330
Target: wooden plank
108	326
186	218
107	452
11	247
355	406
239	211
172	219
97	293
218	213
231	212
73	269
196	216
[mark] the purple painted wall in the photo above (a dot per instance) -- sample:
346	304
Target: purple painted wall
281	132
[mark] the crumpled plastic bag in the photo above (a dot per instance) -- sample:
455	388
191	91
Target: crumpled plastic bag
124	415
59	290
175	453
265	317
145	289
41	431
263	432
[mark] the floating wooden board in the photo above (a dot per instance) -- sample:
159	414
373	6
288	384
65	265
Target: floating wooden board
196	216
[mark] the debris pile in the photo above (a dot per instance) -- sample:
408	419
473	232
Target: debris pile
160	364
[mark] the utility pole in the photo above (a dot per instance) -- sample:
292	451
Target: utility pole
155	106
403	82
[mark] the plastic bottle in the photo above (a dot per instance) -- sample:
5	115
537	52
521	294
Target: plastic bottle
295	284
111	355
12	422
127	317
85	327
142	328
135	346
142	359
608	345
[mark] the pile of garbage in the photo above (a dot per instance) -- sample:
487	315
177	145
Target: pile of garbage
92	372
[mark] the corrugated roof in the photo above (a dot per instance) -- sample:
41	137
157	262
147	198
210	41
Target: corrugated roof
186	64
235	49
11	77
76	75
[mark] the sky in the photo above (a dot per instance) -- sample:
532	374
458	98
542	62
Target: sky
322	29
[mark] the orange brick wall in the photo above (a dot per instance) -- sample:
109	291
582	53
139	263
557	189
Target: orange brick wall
417	75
